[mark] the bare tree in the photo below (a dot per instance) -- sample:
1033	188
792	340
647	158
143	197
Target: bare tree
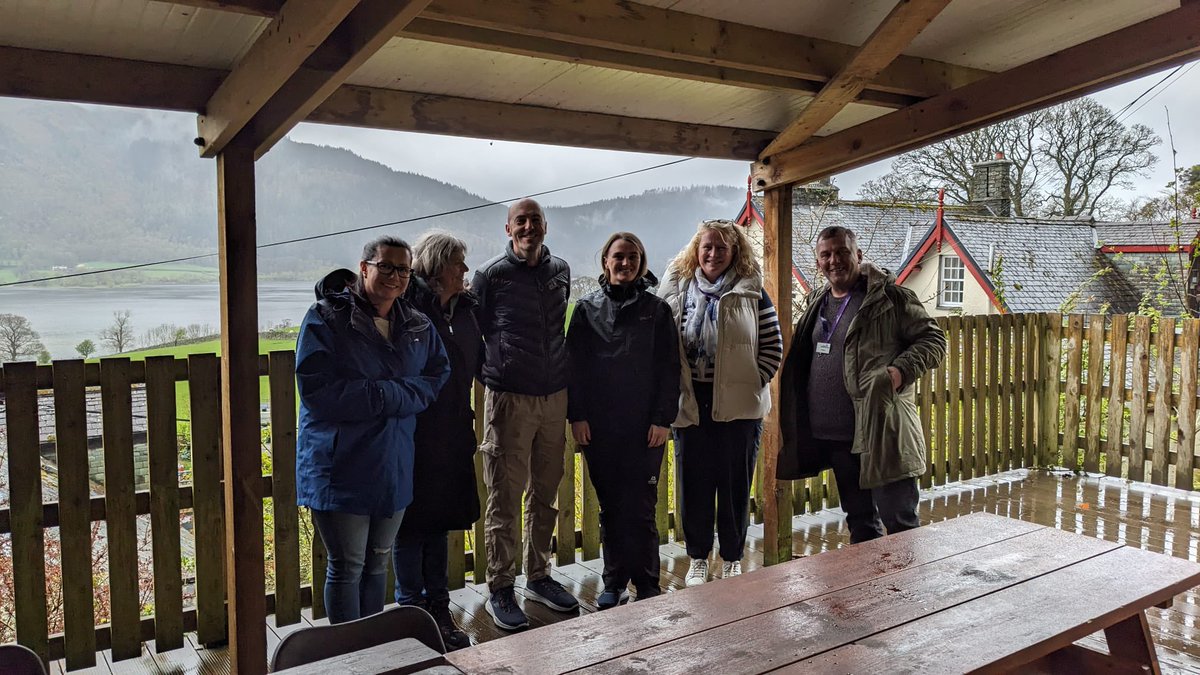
18	339
915	176
1066	161
119	336
1091	152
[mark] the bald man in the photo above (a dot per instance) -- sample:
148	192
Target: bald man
522	313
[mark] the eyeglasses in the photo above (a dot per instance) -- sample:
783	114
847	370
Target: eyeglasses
388	269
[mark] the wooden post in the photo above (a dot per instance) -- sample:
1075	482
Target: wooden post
1051	353
240	412
777	256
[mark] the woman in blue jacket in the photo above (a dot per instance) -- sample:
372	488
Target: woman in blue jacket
366	364
623	394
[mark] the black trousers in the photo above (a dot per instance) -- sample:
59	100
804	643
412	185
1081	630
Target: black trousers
624	472
869	512
716	465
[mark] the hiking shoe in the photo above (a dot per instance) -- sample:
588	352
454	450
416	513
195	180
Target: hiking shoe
452	635
731	569
612	597
505	611
551	594
697	573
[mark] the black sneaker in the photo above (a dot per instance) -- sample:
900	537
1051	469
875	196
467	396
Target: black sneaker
505	611
452	635
551	594
612	597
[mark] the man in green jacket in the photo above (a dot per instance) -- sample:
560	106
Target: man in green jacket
847	398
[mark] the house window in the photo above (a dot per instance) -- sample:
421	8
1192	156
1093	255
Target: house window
951	277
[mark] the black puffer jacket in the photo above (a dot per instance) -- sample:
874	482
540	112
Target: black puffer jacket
522	313
624	360
444	495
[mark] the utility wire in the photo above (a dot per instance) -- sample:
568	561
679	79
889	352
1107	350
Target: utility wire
403	221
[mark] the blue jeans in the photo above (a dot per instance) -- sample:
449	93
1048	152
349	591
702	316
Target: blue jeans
356	574
421	562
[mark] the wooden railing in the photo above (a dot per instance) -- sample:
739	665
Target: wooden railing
986	410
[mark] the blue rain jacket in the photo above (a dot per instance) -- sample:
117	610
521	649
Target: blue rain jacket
359	399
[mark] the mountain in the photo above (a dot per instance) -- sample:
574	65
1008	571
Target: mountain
87	185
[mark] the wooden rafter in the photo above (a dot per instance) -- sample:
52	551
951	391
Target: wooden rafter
894	33
670	42
300	27
73	77
1165	40
409	111
364	32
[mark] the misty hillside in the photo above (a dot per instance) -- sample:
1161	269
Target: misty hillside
109	185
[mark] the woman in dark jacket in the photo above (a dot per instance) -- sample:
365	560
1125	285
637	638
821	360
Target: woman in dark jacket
444	496
366	364
623	395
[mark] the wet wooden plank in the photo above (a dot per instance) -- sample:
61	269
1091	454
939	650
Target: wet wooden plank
74	501
163	443
1074	349
1141	385
1116	400
25	506
968	399
281	375
207	500
1069	608
762	641
565	541
954	392
1095	382
663	619
1164	366
120	520
1189	346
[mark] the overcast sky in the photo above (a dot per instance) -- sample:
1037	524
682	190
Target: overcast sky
499	170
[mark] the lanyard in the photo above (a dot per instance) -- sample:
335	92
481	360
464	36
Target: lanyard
837	319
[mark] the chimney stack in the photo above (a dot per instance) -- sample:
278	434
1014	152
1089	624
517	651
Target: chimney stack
991	187
817	193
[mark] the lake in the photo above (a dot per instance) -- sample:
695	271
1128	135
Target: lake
66	316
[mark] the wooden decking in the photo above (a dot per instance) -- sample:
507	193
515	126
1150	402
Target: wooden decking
1154	518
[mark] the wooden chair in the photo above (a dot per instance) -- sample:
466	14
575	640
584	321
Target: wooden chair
322	642
19	660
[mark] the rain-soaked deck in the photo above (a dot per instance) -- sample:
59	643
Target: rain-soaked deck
1158	519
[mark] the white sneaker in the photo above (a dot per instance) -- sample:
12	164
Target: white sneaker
697	572
731	569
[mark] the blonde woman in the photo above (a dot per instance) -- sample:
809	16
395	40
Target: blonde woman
732	348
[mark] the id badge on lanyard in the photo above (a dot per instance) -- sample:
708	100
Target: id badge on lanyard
825	345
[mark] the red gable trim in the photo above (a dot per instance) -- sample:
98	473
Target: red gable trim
800	279
1147	248
941	233
973	267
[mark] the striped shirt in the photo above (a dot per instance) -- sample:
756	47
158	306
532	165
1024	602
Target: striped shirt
770	345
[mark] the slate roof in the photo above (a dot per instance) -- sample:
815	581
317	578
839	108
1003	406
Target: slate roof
1146	233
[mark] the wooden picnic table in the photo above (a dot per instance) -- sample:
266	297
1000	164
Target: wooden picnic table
978	593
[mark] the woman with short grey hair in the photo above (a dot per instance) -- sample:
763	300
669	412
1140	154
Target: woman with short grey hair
444	496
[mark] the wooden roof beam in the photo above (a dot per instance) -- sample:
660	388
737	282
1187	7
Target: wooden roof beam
1169	39
299	28
607	33
907	19
365	31
427	113
29	73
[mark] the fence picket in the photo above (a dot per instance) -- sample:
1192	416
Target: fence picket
980	390
1140	385
565	542
1163	385
1070	446
121	520
591	518
1116	397
954	394
1185	460
25	505
1029	382
1005	396
1095	393
163	447
281	376
208	517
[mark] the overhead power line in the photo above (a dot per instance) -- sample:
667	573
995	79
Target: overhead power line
352	230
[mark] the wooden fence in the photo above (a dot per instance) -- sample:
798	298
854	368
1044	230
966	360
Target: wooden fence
986	410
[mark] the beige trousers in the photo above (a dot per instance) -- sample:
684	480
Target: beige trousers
523	444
